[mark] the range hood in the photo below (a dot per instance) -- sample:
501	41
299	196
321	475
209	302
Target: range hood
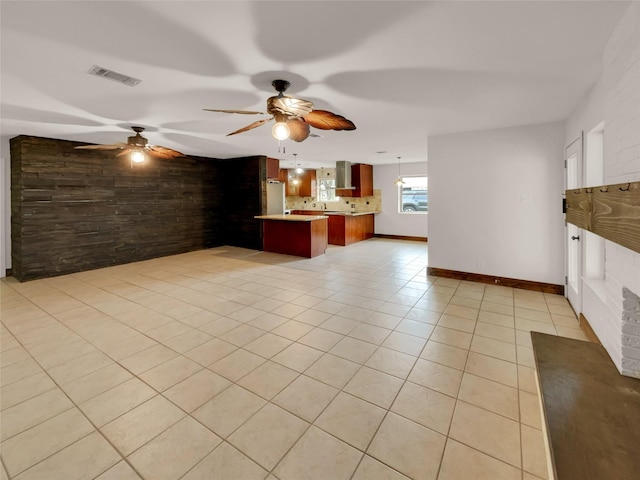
343	174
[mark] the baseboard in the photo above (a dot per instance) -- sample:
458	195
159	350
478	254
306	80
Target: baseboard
401	237
588	331
493	280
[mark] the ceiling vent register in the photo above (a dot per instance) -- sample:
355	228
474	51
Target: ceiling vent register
115	76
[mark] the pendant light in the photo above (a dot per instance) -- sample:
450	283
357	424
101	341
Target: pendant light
399	181
296	180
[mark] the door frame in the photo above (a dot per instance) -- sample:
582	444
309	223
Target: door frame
573	239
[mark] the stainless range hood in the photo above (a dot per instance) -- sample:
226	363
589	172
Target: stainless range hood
343	174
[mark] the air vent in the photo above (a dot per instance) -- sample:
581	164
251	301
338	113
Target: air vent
115	76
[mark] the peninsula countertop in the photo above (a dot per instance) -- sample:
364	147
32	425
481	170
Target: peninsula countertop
344	213
292	218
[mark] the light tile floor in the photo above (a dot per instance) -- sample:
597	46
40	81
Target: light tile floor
235	364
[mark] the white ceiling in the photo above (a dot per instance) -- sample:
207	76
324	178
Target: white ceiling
401	71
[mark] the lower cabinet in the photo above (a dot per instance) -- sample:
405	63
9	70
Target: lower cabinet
348	229
345	229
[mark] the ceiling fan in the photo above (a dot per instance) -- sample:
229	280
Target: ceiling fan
137	146
293	116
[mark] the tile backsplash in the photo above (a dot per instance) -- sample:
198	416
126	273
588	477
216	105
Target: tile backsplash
345	204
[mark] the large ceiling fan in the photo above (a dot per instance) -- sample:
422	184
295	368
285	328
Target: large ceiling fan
293	116
137	146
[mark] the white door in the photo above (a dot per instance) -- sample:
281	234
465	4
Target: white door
573	179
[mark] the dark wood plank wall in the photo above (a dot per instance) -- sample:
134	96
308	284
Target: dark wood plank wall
245	197
75	210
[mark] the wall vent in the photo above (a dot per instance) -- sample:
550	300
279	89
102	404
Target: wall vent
115	76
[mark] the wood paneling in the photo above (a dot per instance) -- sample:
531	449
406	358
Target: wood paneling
244	185
579	207
493	280
75	210
610	211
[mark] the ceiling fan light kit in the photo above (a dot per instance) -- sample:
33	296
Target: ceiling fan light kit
137	147
137	156
293	116
280	130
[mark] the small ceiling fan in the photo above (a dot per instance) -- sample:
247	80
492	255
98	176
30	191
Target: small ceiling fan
293	116
137	146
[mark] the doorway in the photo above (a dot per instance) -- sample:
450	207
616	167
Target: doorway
573	179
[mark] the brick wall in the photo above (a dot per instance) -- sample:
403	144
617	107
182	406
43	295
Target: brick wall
621	81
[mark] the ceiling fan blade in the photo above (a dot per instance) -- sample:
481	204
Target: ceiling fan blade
242	112
325	120
125	152
251	126
163	152
298	130
289	106
111	146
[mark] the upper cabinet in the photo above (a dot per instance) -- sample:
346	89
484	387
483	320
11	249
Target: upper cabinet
306	186
361	181
273	168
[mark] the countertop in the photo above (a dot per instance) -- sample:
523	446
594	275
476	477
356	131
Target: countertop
350	214
292	218
337	212
592	412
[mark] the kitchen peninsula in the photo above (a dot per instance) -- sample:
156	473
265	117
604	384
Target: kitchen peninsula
300	235
346	228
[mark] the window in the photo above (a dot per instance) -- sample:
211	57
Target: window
413	196
327	190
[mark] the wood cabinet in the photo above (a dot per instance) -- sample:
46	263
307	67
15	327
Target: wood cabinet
345	229
273	168
307	186
361	180
295	234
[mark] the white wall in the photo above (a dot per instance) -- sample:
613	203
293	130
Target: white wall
496	202
390	221
616	100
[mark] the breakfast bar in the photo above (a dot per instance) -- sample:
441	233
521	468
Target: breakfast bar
300	235
346	228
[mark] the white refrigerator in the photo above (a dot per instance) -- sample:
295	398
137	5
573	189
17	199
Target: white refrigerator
275	198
